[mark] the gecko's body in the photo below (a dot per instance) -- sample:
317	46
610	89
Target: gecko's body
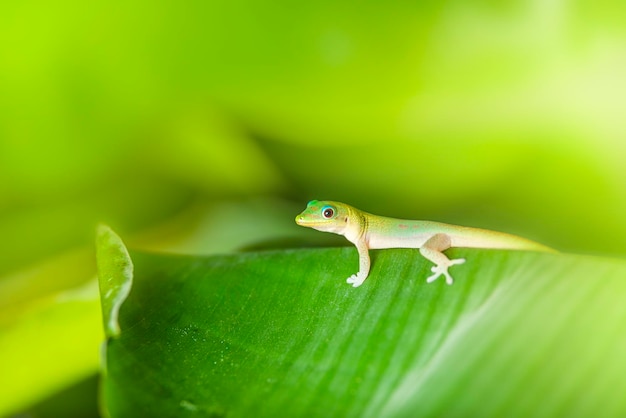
367	231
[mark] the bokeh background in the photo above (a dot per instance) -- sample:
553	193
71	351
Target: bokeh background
205	127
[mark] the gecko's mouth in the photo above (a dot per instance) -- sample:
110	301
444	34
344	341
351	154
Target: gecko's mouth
300	220
324	225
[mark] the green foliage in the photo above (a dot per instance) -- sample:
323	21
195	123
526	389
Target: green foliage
281	333
50	342
204	127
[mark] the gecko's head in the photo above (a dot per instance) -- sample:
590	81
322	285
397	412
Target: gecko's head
325	215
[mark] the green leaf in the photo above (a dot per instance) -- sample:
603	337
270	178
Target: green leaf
47	345
282	334
49	329
115	276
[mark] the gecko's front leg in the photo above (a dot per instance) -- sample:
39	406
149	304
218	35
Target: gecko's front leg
357	279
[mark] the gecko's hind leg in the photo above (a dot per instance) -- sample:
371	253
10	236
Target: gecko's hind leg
432	250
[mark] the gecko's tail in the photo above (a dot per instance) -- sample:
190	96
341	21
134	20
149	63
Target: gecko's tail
476	238
523	244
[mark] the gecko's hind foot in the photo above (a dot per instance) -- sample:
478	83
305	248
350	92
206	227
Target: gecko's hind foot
440	270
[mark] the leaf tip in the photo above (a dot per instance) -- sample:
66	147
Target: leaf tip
115	276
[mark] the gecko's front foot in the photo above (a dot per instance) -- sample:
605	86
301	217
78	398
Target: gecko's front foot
442	269
356	280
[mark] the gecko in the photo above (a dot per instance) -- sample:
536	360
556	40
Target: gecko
367	231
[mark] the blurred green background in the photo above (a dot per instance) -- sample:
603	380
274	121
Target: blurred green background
206	126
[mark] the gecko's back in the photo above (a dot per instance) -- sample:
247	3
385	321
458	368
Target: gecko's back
383	232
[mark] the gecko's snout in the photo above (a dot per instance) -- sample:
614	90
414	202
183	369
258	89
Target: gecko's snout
299	219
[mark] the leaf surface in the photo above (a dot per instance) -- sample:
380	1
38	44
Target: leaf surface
282	334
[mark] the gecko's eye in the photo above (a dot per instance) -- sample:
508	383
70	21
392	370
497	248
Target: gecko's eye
328	212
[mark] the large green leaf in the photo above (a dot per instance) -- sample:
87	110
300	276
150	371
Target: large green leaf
282	334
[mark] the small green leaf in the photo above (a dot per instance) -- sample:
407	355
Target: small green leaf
115	275
282	334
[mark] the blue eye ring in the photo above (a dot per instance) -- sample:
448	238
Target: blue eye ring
328	212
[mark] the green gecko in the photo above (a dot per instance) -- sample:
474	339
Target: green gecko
367	231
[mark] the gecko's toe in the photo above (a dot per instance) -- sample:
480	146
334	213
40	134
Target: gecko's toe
353	279
432	278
